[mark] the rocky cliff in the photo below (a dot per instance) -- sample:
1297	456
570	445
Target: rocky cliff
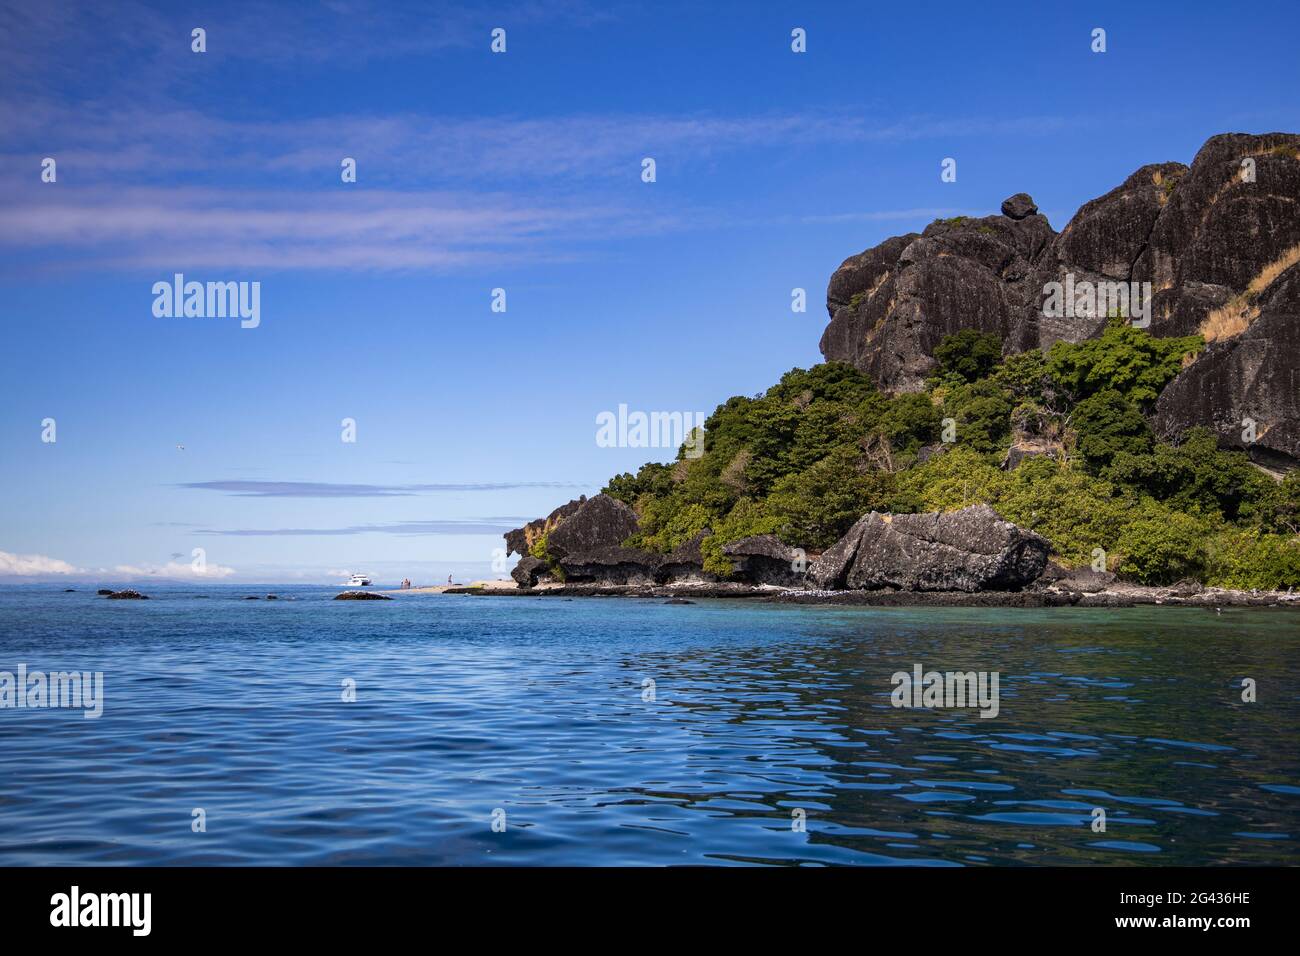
1219	243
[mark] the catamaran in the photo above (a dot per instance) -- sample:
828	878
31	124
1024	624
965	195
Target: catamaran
359	581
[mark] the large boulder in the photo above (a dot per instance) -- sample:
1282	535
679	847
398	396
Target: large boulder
529	570
1249	378
967	550
831	569
600	522
765	559
611	565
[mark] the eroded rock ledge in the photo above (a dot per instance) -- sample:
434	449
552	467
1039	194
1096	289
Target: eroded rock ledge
968	551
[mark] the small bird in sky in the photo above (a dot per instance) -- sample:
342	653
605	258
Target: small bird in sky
180	447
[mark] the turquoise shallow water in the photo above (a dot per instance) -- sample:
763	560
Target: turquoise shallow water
535	707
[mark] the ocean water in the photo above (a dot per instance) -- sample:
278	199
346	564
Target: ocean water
770	738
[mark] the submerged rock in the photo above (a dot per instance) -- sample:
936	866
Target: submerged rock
361	596
104	592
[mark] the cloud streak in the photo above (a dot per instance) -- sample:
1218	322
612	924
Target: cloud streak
33	566
322	489
416	528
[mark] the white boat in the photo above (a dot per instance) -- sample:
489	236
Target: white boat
359	581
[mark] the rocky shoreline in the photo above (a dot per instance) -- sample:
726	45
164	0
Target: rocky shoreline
1120	596
965	558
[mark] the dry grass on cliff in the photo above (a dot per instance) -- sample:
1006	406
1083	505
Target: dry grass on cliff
1234	317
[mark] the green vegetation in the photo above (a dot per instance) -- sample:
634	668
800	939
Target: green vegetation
540	550
822	447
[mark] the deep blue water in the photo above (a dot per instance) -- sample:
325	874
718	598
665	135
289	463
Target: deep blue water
534	706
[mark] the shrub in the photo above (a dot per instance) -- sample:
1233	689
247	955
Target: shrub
1163	546
1123	359
968	354
1246	560
1107	424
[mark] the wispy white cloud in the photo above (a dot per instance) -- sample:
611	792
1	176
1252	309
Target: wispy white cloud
417	528
156	228
325	489
33	566
175	570
95	144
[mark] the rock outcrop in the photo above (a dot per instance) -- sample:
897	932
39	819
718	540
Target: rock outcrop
1251	378
967	550
529	571
1220	235
361	596
891	305
685	563
599	522
1099	244
1235	212
611	565
127	595
765	559
521	539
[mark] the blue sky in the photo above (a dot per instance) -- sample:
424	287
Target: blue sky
477	171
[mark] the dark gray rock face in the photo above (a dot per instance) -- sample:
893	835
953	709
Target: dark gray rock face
611	565
831	569
765	559
527	572
891	305
685	563
1099	244
361	596
521	539
1205	237
599	522
1255	376
1220	230
1083	580
127	595
968	550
